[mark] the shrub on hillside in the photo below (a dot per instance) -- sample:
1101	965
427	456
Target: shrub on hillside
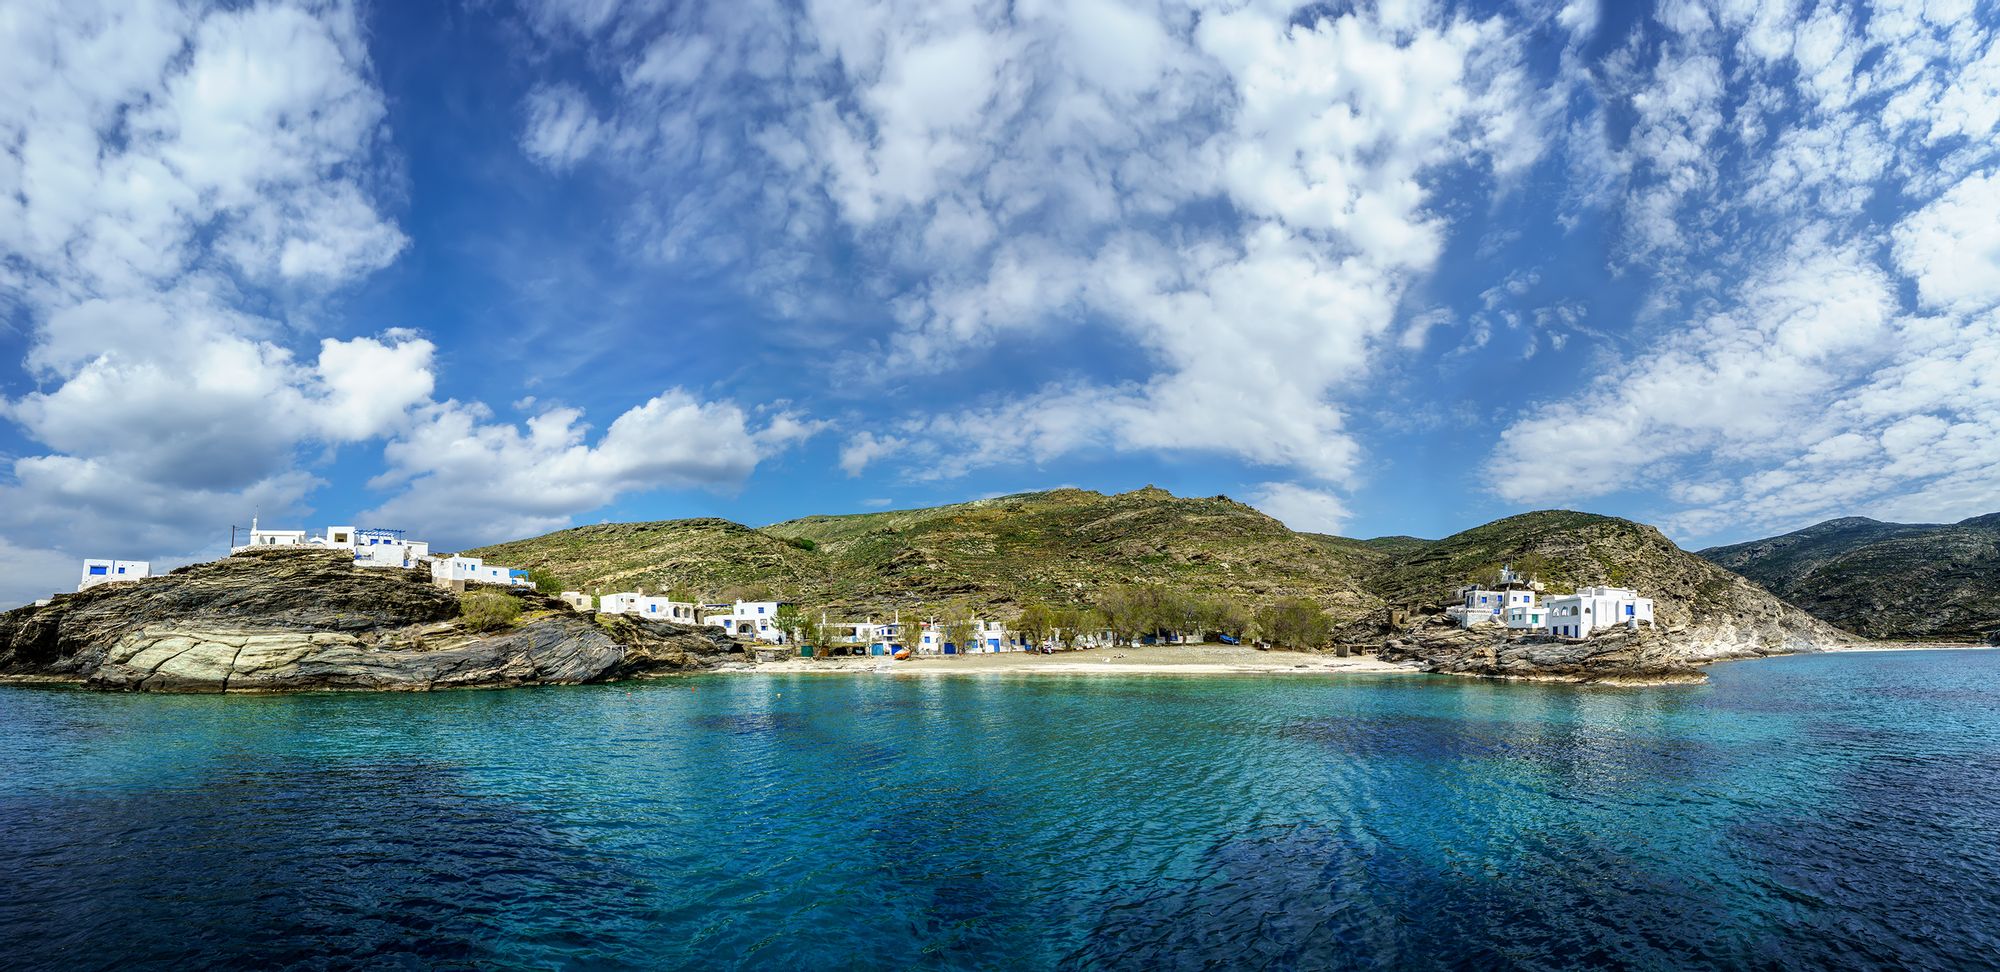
488	610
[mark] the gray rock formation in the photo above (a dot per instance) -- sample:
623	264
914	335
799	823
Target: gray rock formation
302	620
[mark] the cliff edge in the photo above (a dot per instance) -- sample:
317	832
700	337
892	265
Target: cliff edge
288	620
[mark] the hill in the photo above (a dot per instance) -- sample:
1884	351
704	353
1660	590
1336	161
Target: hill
1068	545
1703	612
1919	581
1060	546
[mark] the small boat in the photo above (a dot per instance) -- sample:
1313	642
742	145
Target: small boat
902	654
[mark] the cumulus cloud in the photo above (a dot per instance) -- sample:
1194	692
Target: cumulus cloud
471	480
1803	384
1243	195
168	174
1951	247
1301	508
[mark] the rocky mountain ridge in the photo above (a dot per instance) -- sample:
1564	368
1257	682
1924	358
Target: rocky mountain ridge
1914	581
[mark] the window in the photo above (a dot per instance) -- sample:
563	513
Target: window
760	610
121	570
1628	610
98	569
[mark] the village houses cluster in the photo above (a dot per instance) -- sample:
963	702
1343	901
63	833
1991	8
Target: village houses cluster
1516	603
1511	601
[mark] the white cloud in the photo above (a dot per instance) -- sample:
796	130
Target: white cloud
1951	247
1301	508
561	130
1244	195
470	480
163	166
863	448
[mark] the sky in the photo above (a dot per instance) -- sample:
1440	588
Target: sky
483	270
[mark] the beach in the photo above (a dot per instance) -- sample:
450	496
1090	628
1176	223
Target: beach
1143	660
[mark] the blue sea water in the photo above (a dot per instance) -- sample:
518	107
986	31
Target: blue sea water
1808	812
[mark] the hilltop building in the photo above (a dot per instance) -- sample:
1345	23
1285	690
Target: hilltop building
371	548
578	600
1595	608
97	572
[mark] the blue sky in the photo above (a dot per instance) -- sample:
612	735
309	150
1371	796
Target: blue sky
488	269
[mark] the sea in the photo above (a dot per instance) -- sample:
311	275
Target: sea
1809	812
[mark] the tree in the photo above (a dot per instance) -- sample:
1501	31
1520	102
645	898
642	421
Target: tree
791	622
488	610
545	580
1037	621
958	628
1295	622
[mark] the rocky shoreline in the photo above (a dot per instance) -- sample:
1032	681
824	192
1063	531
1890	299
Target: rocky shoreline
308	620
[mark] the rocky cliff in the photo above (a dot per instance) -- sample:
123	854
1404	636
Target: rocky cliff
1917	581
295	620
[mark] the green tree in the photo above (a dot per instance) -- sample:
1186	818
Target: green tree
488	610
1295	622
1037	621
791	621
545	580
958	628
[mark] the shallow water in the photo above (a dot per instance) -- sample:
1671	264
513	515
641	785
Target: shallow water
1833	811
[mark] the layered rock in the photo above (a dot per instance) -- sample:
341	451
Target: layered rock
300	620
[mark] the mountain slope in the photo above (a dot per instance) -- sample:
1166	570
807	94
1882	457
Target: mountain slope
1062	546
1936	581
1067	545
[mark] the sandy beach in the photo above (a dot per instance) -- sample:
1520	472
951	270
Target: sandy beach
1145	660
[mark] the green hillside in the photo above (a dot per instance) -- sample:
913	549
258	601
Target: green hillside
1061	546
1068	546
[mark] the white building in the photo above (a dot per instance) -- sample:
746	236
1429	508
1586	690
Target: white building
371	548
645	606
578	600
987	637
746	619
97	572
1595	608
375	548
456	572
260	537
1510	602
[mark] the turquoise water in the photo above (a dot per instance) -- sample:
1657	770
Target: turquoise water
1800	812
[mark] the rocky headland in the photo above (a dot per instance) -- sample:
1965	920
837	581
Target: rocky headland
289	620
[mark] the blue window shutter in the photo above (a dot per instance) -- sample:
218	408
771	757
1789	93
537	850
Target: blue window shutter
98	570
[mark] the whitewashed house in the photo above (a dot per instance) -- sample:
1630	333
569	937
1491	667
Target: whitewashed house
1510	602
647	606
746	619
456	572
578	600
375	548
1594	609
97	572
371	548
